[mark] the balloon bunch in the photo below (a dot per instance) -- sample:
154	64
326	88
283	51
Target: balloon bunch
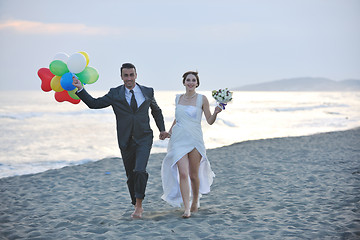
59	75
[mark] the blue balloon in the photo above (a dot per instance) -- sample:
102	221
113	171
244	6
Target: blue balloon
67	81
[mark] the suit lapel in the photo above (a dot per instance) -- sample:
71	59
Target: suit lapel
121	96
122	93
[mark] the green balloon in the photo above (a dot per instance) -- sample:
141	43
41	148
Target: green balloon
88	76
73	95
58	67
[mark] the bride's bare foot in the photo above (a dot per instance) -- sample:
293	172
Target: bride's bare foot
137	214
186	214
194	207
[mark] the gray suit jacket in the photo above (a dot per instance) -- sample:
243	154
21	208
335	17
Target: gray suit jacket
129	125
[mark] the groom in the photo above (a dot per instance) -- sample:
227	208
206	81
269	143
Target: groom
131	103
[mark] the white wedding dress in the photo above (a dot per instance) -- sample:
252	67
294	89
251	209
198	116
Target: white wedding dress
186	135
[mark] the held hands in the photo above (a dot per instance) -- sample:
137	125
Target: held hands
164	135
77	83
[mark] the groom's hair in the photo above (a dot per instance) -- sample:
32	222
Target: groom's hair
195	74
127	65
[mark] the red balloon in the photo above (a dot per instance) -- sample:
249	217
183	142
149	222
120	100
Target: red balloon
45	75
64	96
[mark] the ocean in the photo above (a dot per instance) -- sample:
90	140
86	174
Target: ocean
38	133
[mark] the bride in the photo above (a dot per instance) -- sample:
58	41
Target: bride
186	155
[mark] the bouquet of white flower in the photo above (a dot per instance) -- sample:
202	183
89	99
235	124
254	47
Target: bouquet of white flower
222	97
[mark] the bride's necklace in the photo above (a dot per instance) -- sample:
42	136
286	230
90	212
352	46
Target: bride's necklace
187	97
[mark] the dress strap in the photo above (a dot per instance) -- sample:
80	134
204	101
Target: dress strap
177	99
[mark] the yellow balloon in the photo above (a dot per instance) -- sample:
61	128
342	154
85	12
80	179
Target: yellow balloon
55	84
86	56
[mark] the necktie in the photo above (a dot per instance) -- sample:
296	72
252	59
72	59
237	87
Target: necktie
133	103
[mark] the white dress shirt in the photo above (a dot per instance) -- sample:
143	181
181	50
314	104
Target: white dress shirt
139	96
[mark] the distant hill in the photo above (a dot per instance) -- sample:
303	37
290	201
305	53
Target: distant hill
304	84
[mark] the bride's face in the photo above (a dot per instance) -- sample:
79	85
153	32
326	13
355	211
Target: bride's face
190	82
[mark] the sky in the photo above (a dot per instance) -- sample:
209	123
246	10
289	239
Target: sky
231	43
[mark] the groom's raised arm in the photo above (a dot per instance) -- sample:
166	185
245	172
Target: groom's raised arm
93	103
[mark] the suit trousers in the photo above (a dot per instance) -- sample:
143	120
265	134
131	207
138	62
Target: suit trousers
135	158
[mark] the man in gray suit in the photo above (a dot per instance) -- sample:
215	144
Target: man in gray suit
131	103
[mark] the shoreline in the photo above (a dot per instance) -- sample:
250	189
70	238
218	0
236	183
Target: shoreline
303	187
63	164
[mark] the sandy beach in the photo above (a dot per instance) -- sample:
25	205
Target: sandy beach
286	188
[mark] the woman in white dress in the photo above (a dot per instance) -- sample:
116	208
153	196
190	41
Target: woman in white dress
186	155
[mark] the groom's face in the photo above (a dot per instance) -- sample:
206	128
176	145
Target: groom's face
128	75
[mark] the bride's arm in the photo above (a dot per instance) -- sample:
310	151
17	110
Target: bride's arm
210	118
170	131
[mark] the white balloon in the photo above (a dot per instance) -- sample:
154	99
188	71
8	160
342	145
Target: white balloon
62	57
76	63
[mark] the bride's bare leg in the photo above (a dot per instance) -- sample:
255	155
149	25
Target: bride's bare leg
194	164
183	167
